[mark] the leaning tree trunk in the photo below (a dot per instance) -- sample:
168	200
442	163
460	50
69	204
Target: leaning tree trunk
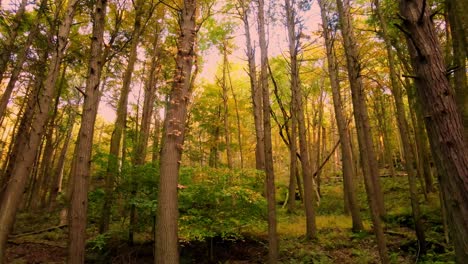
366	148
270	177
27	150
166	244
343	131
443	121
81	168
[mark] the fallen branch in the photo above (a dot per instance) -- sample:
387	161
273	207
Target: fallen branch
38	231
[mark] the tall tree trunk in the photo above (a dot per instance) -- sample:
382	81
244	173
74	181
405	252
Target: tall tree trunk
404	132
223	84
166	244
119	125
256	90
81	168
366	146
443	122
346	152
273	247
297	112
236	106
28	149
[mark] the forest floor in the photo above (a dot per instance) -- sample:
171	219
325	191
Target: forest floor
335	242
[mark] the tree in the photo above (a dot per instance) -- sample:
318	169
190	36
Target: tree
346	152
81	167
30	143
166	244
366	146
443	121
256	92
120	121
273	247
408	151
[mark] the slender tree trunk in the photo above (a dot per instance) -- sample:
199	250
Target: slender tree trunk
223	84
236	105
443	121
155	137
28	149
290	23
166	245
368	159
346	152
270	177
256	91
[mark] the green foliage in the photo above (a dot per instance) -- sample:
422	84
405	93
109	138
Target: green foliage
219	202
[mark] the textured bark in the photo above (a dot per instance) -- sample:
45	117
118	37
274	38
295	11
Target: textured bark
81	168
256	91
366	148
29	147
443	121
408	151
343	131
119	125
166	245
273	247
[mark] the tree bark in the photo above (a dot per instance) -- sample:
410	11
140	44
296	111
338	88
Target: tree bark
443	121
166	244
81	168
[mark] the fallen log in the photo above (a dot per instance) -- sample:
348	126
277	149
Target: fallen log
38	231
